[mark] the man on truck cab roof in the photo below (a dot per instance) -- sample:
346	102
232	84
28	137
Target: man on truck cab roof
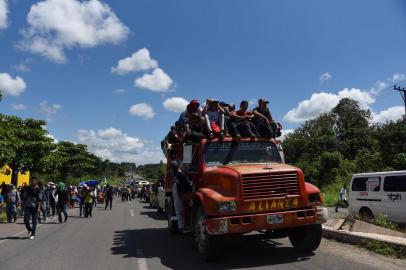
243	118
263	120
214	118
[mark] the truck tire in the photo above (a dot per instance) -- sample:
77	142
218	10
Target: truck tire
306	238
207	244
170	213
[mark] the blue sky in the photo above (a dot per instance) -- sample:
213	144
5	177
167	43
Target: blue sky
59	60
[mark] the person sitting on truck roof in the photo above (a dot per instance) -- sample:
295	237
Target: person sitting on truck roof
243	119
193	121
230	125
214	118
263	121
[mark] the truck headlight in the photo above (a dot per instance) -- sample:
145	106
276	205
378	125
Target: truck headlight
227	206
314	198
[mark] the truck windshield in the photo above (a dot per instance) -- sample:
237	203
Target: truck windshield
222	153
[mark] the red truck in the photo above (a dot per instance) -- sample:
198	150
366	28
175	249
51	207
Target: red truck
241	186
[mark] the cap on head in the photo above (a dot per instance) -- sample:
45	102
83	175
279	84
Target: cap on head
263	100
194	102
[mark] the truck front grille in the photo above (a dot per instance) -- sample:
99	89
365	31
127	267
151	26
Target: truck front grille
269	185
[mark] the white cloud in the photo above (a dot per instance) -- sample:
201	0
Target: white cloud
21	68
10	86
143	110
175	104
49	110
3	14
18	107
325	77
52	137
117	146
285	133
56	25
310	108
324	102
398	77
138	61
390	114
364	98
157	81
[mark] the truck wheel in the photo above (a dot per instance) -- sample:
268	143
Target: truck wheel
306	238
206	243
170	213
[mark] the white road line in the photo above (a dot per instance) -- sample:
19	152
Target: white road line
142	262
132	212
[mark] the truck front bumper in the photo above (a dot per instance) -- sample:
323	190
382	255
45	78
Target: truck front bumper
256	222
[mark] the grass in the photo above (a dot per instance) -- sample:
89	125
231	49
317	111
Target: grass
384	249
331	194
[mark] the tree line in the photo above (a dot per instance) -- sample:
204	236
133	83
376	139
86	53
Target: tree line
25	145
344	141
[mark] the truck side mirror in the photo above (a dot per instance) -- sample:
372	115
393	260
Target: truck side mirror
187	153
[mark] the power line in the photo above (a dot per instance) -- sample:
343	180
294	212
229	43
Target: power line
402	92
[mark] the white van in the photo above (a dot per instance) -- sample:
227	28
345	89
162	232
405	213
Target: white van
379	193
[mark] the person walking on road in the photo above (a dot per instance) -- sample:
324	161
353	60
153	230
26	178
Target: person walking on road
43	202
63	200
108	197
13	198
53	199
31	203
81	196
342	200
88	198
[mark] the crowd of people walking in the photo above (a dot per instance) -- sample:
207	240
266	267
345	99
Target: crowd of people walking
39	201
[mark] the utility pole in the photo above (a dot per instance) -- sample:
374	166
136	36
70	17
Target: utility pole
402	92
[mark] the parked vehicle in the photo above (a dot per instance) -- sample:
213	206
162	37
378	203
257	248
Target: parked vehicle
380	193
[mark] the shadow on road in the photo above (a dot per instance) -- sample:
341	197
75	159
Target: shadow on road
14	238
153	214
179	252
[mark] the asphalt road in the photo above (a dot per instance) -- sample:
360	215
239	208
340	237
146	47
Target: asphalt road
132	236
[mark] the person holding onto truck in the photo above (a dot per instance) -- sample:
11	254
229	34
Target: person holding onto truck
214	118
180	186
243	119
265	125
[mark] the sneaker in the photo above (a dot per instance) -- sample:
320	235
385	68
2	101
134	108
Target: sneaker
32	237
221	135
29	234
211	135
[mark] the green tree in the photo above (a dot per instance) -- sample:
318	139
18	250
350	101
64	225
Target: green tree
71	160
25	143
352	125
